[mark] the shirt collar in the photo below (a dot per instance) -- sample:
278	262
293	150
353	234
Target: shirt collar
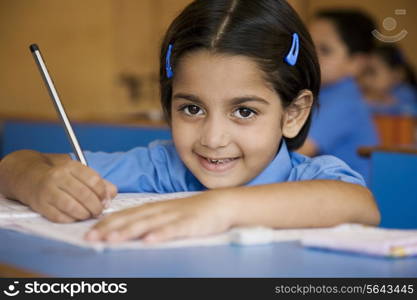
278	169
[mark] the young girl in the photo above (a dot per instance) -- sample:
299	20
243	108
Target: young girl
343	122
238	79
389	83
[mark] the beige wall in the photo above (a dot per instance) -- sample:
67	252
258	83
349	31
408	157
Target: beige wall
88	45
379	10
76	48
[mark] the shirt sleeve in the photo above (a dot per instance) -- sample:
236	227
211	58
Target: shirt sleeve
152	169
325	167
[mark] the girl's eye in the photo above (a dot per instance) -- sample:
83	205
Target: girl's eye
244	113
192	110
325	50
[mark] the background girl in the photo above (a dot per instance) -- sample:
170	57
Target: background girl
343	123
389	82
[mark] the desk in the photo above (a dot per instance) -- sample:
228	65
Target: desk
286	259
393	183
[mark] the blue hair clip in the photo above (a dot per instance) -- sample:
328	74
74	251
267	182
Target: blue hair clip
292	55
168	62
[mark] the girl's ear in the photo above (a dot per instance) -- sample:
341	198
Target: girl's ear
297	113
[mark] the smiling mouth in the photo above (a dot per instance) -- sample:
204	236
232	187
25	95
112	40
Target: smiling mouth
217	164
219	161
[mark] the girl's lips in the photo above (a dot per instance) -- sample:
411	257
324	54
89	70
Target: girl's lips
219	165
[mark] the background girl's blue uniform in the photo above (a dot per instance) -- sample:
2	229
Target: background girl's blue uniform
407	99
159	169
343	123
405	102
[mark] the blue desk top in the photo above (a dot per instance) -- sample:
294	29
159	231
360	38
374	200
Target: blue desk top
285	259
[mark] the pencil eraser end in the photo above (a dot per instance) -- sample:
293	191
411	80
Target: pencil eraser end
34	47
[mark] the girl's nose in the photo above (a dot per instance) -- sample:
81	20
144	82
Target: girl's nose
214	134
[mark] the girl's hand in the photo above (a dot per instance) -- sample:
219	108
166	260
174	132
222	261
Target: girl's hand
202	214
68	192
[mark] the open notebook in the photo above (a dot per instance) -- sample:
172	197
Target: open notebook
346	237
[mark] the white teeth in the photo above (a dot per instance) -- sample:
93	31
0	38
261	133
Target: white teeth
219	161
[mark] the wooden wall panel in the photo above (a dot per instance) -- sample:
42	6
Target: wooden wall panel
381	9
76	38
90	45
140	28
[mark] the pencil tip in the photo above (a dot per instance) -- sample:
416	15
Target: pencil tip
34	47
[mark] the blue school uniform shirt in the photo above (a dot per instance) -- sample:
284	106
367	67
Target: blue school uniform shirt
343	123
407	99
159	169
405	102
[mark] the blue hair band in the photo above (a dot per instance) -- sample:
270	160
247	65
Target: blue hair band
168	67
292	55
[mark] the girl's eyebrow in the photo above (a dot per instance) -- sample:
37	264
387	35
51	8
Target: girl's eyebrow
189	97
249	98
233	101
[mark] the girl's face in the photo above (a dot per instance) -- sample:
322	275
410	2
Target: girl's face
226	119
378	78
334	58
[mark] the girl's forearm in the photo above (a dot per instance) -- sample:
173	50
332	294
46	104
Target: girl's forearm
315	203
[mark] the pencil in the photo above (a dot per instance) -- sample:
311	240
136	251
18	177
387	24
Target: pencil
57	103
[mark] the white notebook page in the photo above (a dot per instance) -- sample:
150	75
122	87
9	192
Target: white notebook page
345	237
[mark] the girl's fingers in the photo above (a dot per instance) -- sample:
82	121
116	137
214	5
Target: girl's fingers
120	229
66	204
91	179
136	229
111	192
111	189
178	229
53	214
118	219
81	193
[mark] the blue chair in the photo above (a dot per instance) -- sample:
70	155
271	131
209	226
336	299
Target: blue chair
50	137
394	185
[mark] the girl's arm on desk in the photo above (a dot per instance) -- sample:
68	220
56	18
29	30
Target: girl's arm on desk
316	203
53	184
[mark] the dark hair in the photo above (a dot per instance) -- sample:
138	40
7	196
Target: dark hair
261	30
394	58
354	28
